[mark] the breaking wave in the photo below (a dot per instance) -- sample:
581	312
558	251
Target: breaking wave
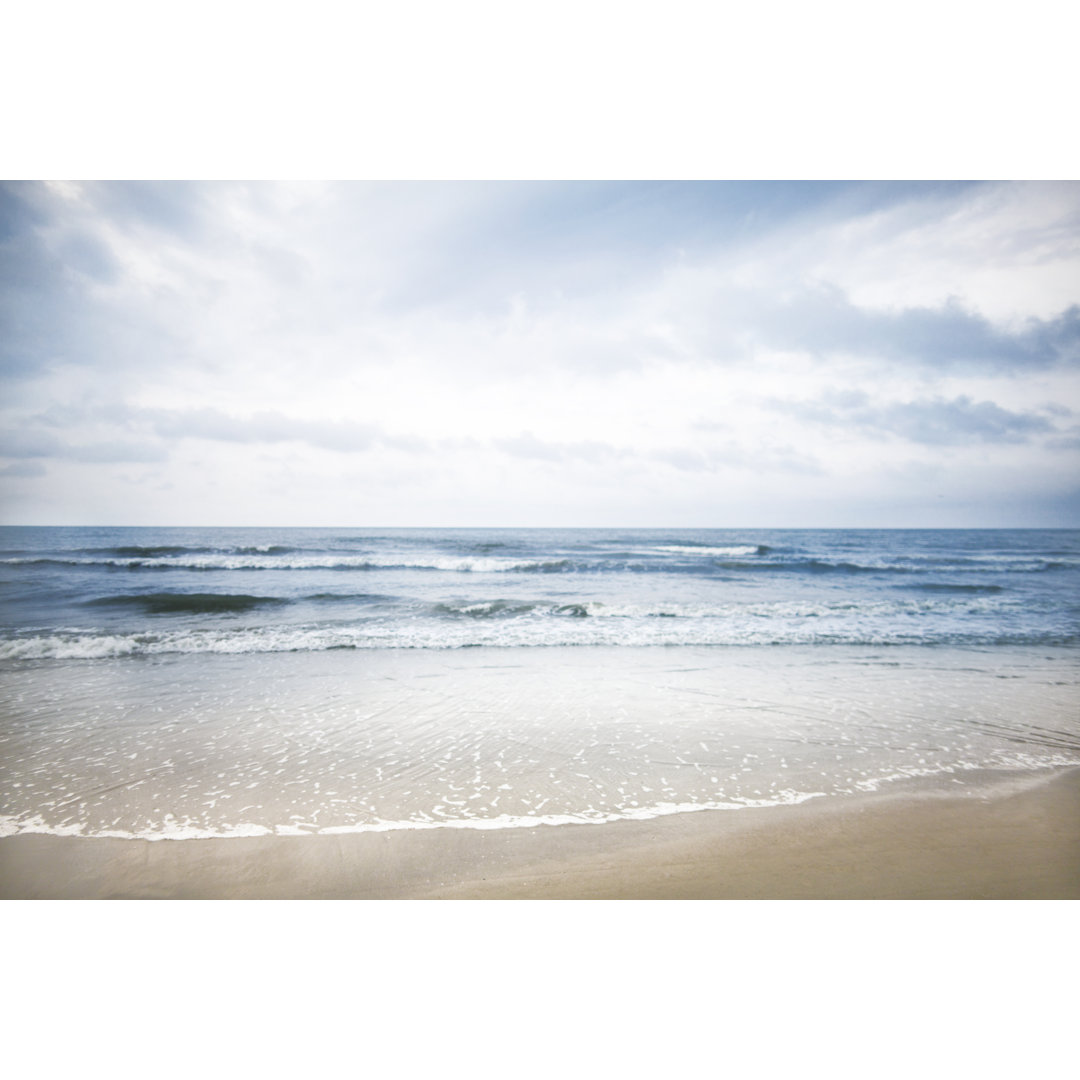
187	603
269	560
739	550
946	587
572	630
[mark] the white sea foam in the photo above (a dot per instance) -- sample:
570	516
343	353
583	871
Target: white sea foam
74	647
736	552
1004	762
325	561
11	825
174	830
501	625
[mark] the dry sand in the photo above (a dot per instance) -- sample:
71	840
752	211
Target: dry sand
1018	842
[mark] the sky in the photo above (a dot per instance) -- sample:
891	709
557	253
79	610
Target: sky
681	354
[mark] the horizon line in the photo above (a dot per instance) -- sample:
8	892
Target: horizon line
594	528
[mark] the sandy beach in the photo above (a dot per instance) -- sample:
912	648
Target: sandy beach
1016	840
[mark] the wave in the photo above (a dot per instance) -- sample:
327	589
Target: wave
171	829
503	633
487	609
349	598
812	566
213	603
187	603
1014	768
942	587
595	609
737	551
667	558
907	566
138	551
484	609
160	551
271	561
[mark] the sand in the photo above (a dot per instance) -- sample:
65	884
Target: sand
1011	841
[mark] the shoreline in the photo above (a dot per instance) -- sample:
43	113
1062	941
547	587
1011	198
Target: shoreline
1010	841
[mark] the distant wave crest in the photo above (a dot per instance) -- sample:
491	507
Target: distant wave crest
272	560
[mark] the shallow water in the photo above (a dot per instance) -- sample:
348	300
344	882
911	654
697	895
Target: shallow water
219	745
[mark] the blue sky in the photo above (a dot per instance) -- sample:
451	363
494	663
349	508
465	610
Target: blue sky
713	354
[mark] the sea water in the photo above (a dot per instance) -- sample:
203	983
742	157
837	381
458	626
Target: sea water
215	682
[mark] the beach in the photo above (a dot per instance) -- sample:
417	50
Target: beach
530	713
1018	839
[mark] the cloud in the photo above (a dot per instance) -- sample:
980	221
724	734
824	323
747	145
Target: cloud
345	436
687	459
1065	442
118	451
22	443
825	321
527	445
170	206
28	443
758	459
939	422
932	422
713	318
24	469
39	301
171	425
260	427
746	346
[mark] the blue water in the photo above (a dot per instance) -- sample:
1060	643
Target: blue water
224	682
98	593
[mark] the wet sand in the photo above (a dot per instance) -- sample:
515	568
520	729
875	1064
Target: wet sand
1012	841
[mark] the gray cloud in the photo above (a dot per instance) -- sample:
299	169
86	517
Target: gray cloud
933	422
26	443
39	301
261	427
682	459
960	420
782	459
27	469
485	242
172	424
273	427
23	443
57	270
1065	442
824	321
527	445
174	206
118	451
463	250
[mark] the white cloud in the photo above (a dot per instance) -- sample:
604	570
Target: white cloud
540	354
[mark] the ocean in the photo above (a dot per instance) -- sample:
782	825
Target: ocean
197	682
